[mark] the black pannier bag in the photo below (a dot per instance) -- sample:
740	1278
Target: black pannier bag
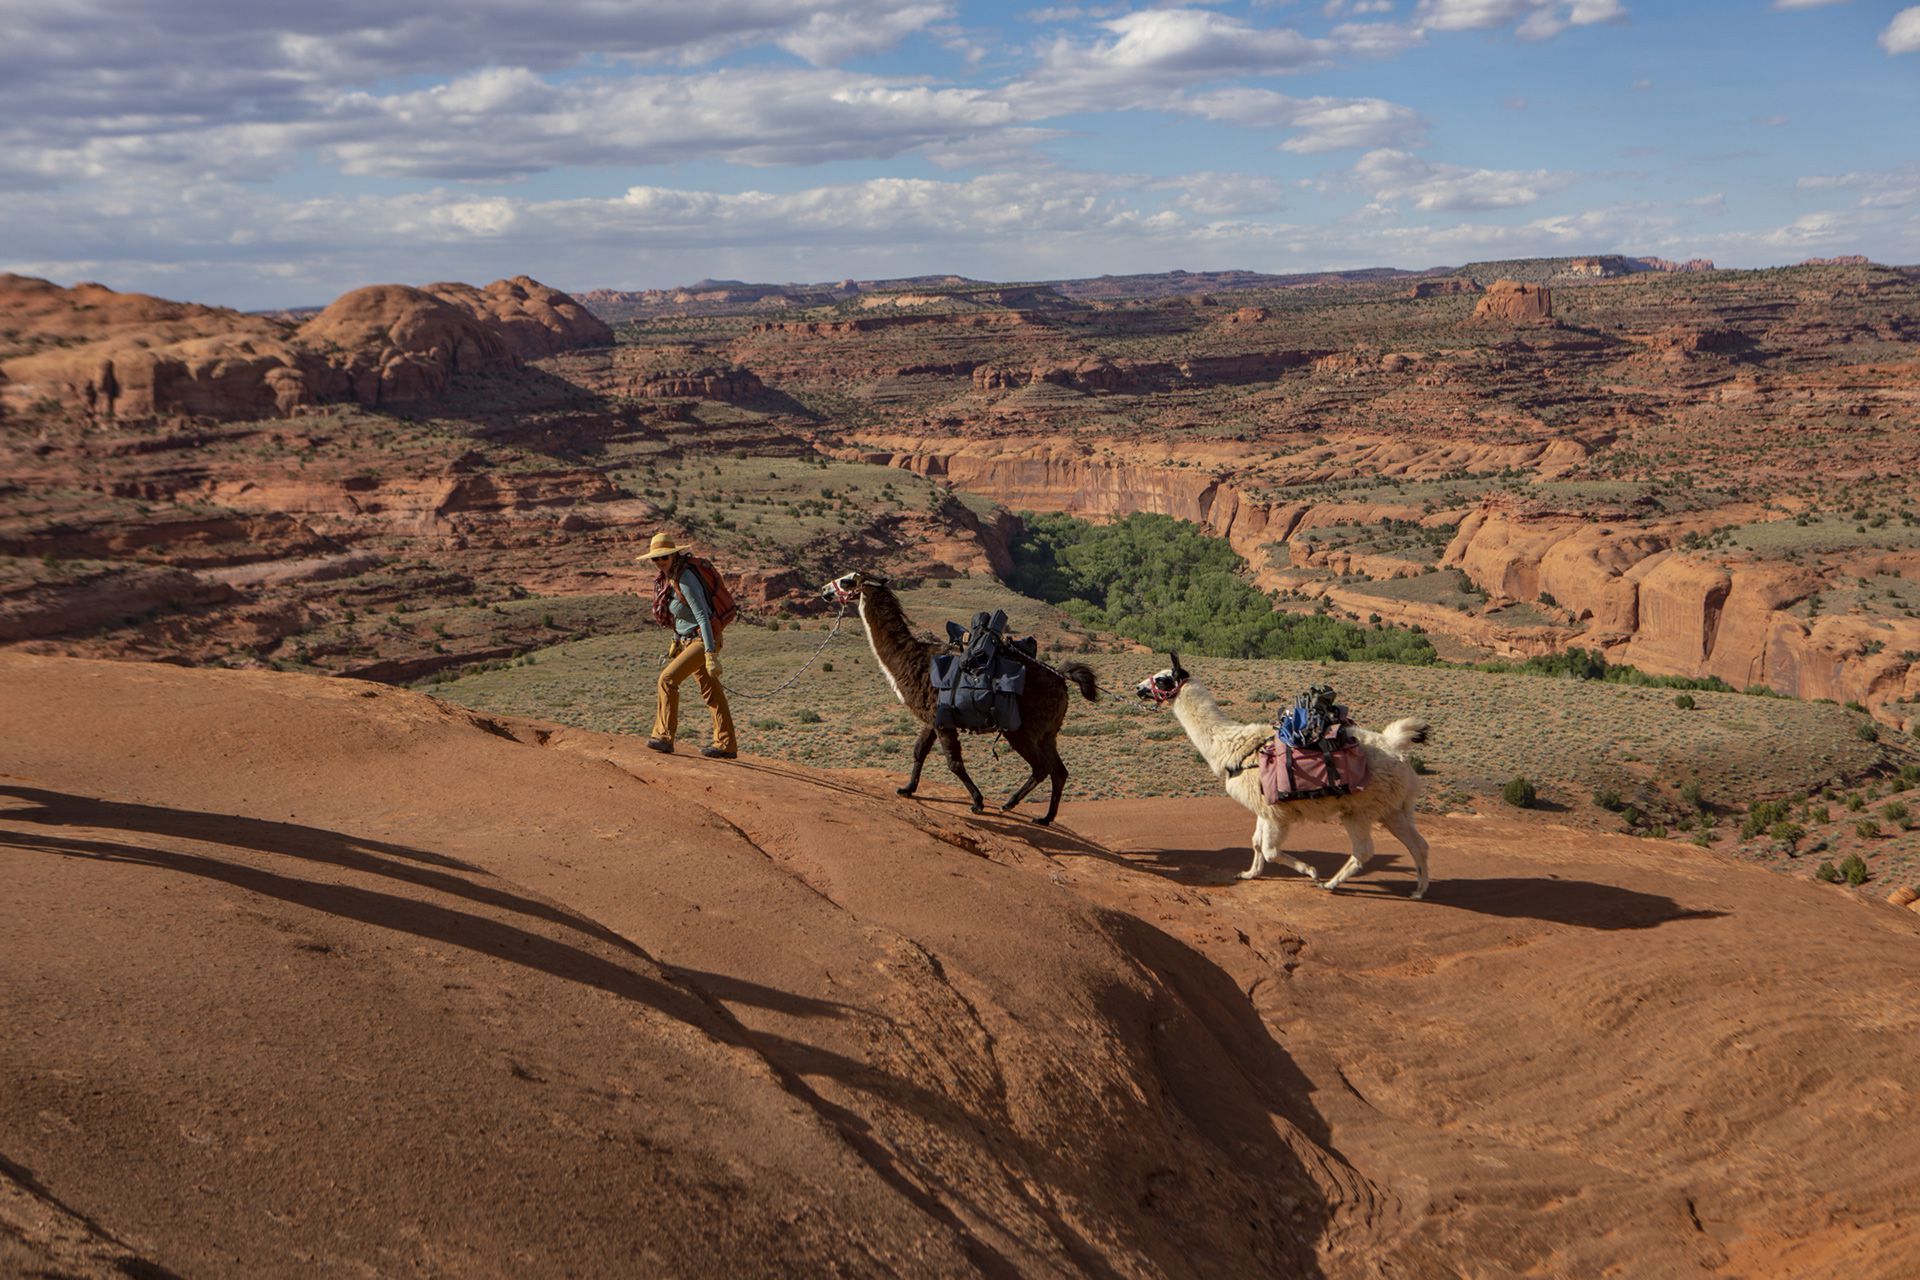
979	688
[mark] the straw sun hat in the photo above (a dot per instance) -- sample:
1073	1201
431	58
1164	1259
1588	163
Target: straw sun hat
661	547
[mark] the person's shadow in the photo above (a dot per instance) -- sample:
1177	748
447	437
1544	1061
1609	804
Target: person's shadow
418	867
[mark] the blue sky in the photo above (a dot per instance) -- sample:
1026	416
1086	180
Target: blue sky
268	152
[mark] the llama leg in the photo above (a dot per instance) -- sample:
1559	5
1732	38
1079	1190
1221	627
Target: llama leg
1276	837
1360	832
1029	751
920	750
950	739
1260	838
1057	771
1400	823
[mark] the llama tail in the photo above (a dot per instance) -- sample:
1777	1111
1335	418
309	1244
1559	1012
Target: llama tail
1082	674
1401	734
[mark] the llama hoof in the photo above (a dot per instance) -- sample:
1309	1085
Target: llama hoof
1043	822
978	806
1250	875
903	791
1419	893
1328	885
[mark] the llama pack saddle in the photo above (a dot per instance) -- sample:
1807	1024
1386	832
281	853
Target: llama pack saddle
1313	753
978	689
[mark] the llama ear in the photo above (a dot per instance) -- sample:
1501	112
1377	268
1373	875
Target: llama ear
1179	672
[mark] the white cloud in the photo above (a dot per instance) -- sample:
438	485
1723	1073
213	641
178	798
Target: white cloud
1172	46
1809	230
828	39
212	88
1532	19
1221	195
1879	188
1324	124
1467	15
514	123
1903	33
1378	39
1399	175
491	217
1804	4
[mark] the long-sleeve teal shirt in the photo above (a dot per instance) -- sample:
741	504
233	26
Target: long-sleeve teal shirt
692	611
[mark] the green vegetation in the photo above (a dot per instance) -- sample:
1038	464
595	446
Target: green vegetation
1583	664
1520	793
1162	582
1762	816
1853	869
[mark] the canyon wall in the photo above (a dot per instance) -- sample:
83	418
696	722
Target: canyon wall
1630	593
1673	612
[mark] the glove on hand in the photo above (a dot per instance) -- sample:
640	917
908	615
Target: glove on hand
713	665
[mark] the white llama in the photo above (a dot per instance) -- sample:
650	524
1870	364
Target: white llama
1229	749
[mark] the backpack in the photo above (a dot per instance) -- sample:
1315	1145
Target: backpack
1315	715
719	596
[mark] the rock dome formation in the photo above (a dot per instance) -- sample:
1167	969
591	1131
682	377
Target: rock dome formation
397	343
102	354
534	320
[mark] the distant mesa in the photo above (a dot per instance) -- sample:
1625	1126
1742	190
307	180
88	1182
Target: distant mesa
1514	302
129	356
1668	264
1599	266
1844	260
1448	287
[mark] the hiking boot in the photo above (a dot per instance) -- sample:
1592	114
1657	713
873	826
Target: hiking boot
715	753
664	745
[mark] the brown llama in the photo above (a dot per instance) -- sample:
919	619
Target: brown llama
906	660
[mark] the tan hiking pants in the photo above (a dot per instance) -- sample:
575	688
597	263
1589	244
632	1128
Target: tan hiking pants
690	659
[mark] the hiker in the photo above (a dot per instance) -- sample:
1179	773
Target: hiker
683	597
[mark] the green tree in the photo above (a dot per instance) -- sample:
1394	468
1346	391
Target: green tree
1162	582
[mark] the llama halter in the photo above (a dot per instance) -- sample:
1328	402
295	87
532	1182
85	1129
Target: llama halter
1154	692
845	589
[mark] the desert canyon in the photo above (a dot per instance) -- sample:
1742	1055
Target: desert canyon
349	928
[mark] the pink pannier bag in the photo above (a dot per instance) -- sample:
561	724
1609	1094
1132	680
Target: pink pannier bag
1290	774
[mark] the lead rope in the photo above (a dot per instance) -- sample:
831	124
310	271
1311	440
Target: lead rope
788	683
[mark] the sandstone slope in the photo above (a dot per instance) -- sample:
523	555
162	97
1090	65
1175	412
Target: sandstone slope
310	973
